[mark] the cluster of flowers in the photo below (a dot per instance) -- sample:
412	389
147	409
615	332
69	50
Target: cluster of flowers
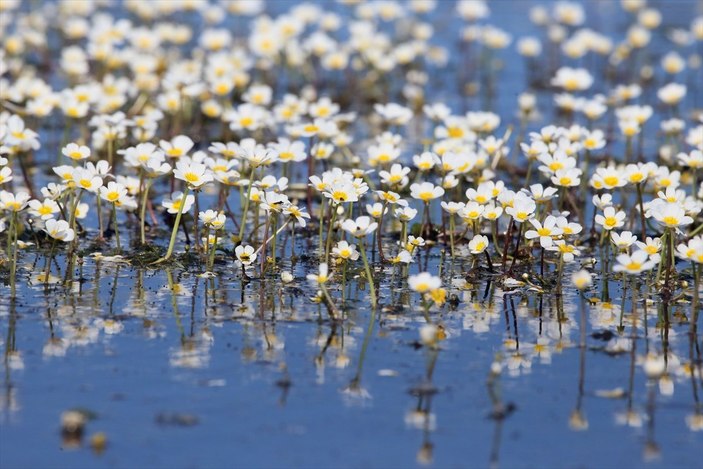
224	88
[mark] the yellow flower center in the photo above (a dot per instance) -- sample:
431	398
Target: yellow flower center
571	84
611	180
191	177
455	132
339	196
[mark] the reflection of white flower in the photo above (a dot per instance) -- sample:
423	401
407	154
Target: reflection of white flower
421	420
55	347
631	418
695	422
356	394
191	354
577	421
15	360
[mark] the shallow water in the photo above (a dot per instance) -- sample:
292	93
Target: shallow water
205	377
178	370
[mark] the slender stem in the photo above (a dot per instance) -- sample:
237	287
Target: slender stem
246	204
110	152
273	235
100	216
696	282
264	245
273	241
47	266
12	243
329	233
330	304
116	226
211	260
142	215
451	232
367	268
642	220
207	246
319	234
488	260
380	233
506	246
196	221
174	233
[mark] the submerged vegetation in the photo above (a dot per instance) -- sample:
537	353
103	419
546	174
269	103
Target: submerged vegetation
354	164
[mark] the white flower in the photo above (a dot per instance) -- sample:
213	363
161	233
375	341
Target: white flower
13	202
178	146
298	213
322	276
360	227
581	279
59	230
173	204
425	191
623	240
114	193
572	79
634	264
478	244
611	219
194	174
212	219
344	250
45	209
669	215
245	254
424	282
76	152
672	93
405	214
545	232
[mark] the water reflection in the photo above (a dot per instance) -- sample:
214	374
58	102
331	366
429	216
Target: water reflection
646	359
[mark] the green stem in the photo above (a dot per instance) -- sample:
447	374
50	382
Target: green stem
176	224
330	304
451	232
319	234
116	226
211	260
367	268
100	217
142	214
329	234
379	239
12	243
47	266
246	205
273	241
642	220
